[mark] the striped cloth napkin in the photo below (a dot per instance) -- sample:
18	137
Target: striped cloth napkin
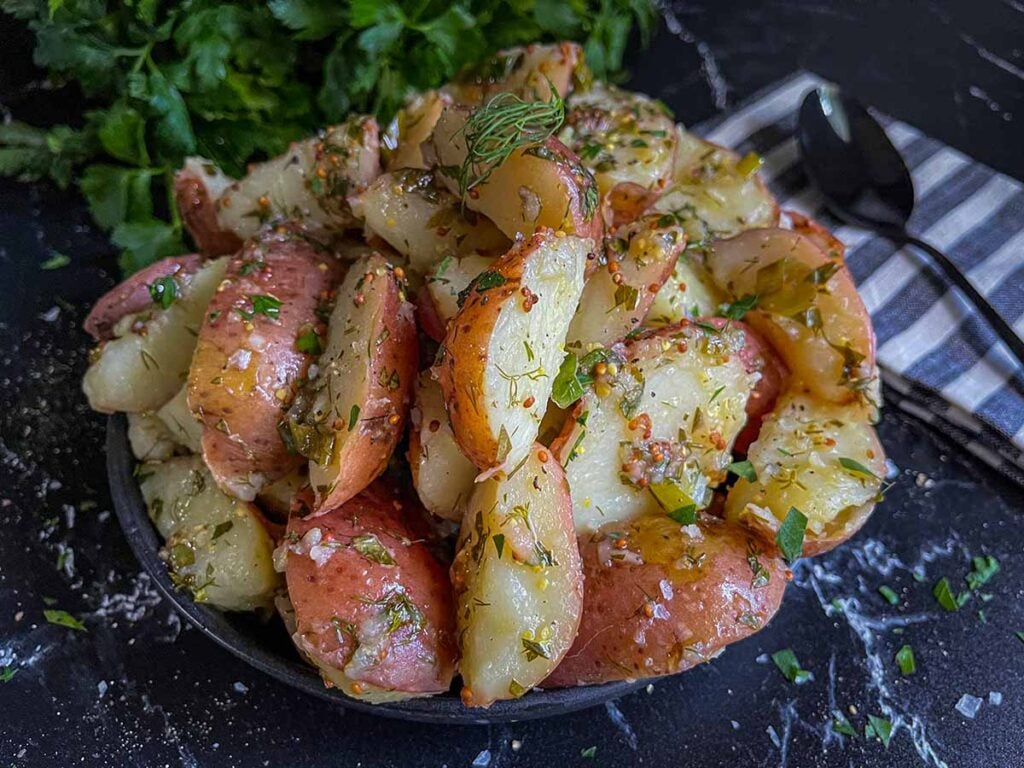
941	361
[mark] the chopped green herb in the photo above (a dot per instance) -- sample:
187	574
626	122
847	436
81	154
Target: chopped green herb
626	296
1019	636
856	467
589	752
739	308
744	469
790	536
370	547
841	725
880	728
499	544
676	502
889	594
56	261
262	304
532	649
64	619
308	341
163	291
221	528
353	417
943	593
984	569
905	660
789	666
566	388
6	673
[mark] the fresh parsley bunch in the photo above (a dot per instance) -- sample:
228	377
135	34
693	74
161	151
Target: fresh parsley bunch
238	81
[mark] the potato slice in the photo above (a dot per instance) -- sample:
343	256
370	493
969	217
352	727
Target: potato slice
661	598
637	260
505	345
373	609
824	459
536	187
518	581
689	293
259	336
714	192
443	476
134	294
654	432
181	423
310	183
348	418
216	546
147	361
627	140
440	298
527	71
150	438
424	222
401	144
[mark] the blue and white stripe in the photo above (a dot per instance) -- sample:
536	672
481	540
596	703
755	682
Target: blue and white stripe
940	360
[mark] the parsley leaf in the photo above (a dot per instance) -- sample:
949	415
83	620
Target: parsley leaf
944	596
64	619
905	660
789	666
566	388
744	469
790	536
163	291
984	569
879	728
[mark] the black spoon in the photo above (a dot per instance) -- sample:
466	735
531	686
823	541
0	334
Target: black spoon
864	181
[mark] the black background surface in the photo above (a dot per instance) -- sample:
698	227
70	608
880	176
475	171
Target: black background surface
141	689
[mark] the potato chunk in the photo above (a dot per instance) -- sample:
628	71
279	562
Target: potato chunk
528	71
147	361
518	581
505	345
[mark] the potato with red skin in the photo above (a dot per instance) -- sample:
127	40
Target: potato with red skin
438	301
373	607
636	261
833	247
247	363
348	419
402	142
504	347
133	295
758	357
535	187
661	598
311	185
527	71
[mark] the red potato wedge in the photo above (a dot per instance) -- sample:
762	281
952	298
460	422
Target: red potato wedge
216	547
401	143
147	360
806	305
505	345
667	598
440	299
348	418
255	345
309	184
822	458
528	71
637	260
442	475
373	607
536	187
134	295
654	433
833	247
714	192
181	423
424	222
518	581
627	140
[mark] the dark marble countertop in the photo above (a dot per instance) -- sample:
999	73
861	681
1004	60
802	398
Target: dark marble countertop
141	688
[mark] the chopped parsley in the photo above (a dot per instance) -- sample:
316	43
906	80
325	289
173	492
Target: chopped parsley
353	417
790	536
6	673
905	660
880	728
589	753
163	291
856	467
308	341
262	304
744	469
841	725
56	261
984	569
944	596
63	619
566	388
370	547
889	594
789	666
739	308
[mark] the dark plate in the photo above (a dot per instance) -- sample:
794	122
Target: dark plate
266	645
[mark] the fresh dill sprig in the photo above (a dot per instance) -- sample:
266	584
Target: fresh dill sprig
500	127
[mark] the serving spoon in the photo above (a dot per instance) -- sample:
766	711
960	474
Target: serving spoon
864	180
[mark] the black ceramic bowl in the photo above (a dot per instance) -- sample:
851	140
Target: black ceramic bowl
267	646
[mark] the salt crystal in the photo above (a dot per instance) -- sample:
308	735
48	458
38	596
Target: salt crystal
968	706
483	759
774	736
995	698
735	725
241	688
516	745
101	687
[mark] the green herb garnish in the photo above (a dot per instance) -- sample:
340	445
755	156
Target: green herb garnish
56	261
889	594
370	547
63	619
856	467
841	725
589	753
789	666
943	593
163	291
744	469
7	672
905	660
880	728
262	304
984	569
790	536
566	388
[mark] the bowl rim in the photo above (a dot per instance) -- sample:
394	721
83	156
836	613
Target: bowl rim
444	709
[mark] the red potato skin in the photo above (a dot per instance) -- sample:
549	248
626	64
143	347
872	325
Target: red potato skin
199	214
428	318
757	356
132	295
348	584
831	245
240	409
644	617
365	454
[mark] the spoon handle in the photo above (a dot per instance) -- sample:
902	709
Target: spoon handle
1002	328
